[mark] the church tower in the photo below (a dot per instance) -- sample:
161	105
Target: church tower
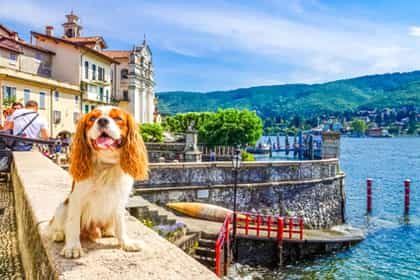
72	28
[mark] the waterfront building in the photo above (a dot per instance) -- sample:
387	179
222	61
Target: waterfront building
26	74
79	60
133	83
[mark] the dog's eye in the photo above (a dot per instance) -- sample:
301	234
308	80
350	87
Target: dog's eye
92	119
117	118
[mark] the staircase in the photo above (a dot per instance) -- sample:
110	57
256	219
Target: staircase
144	210
205	252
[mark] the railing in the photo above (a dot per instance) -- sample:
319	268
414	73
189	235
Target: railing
222	242
259	226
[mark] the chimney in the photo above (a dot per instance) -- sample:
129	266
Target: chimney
49	30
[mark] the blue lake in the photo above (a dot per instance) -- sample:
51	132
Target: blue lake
392	247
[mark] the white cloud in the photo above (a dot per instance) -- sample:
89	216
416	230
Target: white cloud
414	31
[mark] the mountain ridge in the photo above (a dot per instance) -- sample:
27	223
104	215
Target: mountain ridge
370	91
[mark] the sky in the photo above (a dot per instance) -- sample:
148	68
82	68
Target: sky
217	45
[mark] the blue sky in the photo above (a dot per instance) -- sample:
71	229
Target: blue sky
213	45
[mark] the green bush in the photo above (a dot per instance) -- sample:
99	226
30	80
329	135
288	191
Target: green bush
247	156
151	132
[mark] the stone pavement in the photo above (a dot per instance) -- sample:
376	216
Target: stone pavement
10	262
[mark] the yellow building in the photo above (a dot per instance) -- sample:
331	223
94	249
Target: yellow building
79	60
26	74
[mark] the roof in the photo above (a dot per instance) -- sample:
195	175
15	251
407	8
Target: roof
117	54
12	43
88	41
7	30
8	44
75	44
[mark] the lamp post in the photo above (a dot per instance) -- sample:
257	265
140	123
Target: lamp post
236	163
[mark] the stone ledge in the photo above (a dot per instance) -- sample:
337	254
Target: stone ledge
39	186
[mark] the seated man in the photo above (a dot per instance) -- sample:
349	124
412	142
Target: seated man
27	123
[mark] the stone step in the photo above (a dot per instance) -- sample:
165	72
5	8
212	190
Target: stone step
210	263
205	252
206	243
209	236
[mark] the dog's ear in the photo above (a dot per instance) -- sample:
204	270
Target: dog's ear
133	159
81	153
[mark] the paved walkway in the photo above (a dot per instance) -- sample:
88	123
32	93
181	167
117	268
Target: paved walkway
10	263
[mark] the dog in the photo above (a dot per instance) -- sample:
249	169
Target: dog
106	156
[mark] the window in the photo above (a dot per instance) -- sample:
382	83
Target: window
125	95
86	70
42	100
76	117
106	95
76	99
12	58
38	56
86	108
124	74
9	93
101	74
93	72
101	93
26	95
57	117
56	96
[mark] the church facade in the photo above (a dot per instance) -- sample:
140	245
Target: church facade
133	82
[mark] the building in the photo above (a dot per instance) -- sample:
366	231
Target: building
133	84
79	60
26	74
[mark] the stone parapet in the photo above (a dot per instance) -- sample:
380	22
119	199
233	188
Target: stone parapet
39	186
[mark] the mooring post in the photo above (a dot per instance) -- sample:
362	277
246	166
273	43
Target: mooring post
369	195
407	196
300	151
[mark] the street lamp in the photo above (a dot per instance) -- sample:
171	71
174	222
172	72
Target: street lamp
236	164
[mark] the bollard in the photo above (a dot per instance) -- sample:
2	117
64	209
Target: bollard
407	196
369	195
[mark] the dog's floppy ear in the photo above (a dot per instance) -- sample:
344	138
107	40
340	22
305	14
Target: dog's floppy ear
133	159
81	153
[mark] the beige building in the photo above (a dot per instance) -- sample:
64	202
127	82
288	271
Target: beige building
26	74
79	60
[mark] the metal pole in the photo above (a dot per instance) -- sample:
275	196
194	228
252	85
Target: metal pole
235	242
406	196
369	195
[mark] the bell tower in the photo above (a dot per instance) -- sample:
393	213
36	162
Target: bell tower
71	27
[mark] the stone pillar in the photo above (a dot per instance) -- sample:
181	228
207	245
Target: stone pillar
191	152
330	145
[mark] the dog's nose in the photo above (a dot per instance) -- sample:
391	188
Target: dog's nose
103	122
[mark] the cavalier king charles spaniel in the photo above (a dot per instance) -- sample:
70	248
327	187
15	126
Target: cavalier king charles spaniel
106	156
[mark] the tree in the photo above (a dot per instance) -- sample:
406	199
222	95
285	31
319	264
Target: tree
151	132
231	127
181	122
359	126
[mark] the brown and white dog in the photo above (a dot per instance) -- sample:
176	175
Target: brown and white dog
107	155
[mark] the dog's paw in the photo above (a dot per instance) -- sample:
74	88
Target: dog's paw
132	245
58	236
72	251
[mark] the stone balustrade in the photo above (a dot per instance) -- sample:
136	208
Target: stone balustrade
39	186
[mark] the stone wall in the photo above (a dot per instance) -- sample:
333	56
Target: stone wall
311	189
39	186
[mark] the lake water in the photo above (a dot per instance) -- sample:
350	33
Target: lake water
392	247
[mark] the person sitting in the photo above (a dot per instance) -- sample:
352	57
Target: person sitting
27	123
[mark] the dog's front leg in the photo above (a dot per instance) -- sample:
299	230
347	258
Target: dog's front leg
126	243
72	247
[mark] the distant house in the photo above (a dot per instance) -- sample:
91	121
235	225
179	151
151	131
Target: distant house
375	132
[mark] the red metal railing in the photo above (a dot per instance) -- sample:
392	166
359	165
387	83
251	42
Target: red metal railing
256	225
222	243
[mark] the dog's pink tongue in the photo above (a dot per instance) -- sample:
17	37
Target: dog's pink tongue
104	142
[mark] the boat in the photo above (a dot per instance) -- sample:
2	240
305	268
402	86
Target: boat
200	210
259	149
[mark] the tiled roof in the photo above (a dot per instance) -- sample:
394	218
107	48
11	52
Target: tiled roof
76	44
89	41
10	32
117	54
13	45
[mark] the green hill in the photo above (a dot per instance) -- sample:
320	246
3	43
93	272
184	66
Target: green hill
374	91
